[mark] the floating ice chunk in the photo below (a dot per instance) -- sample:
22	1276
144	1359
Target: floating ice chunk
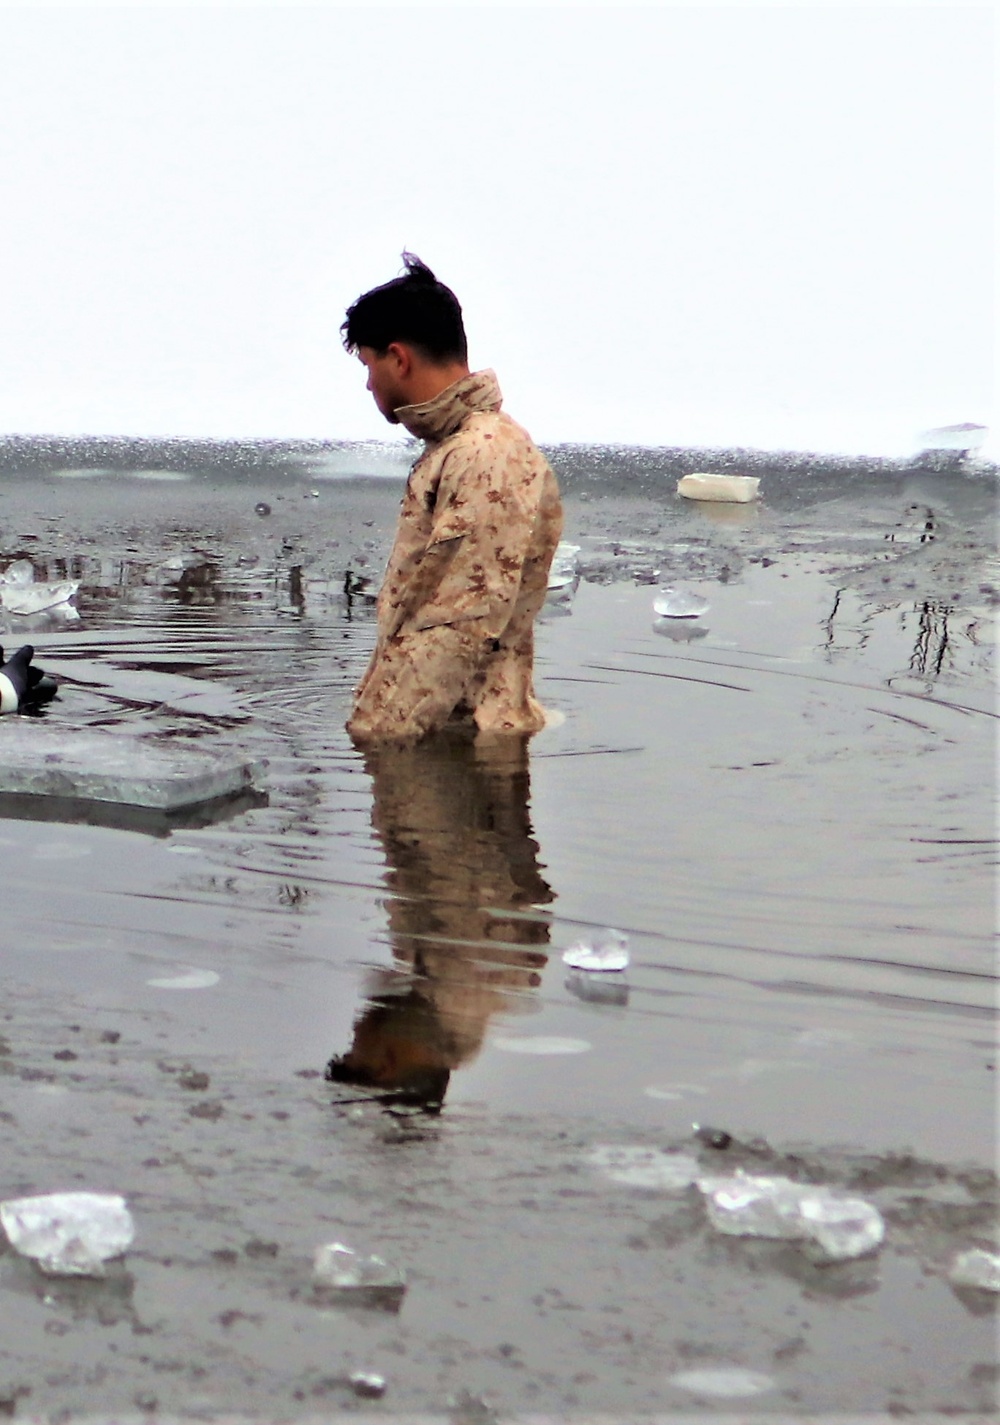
641	1167
564	569
19	574
186	980
367	1384
541	1044
678	603
104	765
736	489
605	951
844	1227
69	1233
976	1268
747	1206
36	598
729	1382
340	1268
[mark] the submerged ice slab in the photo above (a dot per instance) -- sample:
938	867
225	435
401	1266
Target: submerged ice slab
69	1233
101	765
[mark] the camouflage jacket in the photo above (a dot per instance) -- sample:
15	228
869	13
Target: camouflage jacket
478	525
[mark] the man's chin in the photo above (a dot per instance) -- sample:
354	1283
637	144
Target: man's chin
391	417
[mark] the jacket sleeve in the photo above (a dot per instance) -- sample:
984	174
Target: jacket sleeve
470	572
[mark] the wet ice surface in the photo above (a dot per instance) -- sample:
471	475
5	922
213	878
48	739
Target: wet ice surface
789	818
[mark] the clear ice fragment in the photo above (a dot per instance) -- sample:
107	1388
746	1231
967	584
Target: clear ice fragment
747	1206
19	574
607	951
340	1268
26	599
976	1268
69	1233
844	1227
678	603
563	569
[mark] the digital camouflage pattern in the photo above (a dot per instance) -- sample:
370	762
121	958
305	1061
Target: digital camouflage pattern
468	572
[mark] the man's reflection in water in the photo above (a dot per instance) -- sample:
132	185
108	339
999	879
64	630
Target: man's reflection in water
452	815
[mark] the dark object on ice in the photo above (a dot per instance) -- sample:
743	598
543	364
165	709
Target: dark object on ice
712	1137
23	687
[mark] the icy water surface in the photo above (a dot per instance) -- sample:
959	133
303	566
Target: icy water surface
786	805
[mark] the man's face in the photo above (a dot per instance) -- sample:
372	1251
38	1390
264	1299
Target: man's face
384	376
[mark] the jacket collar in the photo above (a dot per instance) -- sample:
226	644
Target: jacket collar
435	420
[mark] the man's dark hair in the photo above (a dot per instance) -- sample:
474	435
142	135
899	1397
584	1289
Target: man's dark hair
415	308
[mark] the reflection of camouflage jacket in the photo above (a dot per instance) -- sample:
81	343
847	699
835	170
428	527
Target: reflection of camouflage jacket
479	523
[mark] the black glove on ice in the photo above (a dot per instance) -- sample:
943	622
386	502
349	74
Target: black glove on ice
22	686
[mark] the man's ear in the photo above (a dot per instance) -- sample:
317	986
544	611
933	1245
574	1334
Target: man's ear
402	355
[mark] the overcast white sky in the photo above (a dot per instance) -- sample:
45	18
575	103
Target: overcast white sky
666	224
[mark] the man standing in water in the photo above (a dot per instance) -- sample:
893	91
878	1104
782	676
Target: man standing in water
478	525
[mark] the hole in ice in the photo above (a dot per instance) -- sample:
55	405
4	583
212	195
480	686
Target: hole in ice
185	980
541	1044
729	1381
672	1091
60	851
638	1166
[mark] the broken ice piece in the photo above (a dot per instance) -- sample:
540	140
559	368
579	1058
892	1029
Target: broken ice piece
844	1227
69	1233
564	569
367	1384
20	573
976	1268
342	1269
678	603
26	599
747	1206
605	952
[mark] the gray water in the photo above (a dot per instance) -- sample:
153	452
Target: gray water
787	805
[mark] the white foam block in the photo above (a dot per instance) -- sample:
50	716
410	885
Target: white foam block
738	489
